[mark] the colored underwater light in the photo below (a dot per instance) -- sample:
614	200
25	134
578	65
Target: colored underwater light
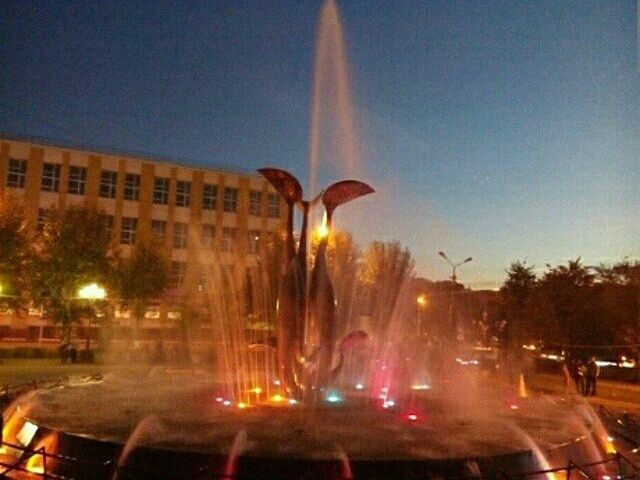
256	390
420	386
226	403
292	401
359	386
219	399
333	397
242	405
277	398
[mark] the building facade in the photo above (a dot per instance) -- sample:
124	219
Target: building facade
193	208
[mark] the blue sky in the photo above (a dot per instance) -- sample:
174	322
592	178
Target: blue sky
497	129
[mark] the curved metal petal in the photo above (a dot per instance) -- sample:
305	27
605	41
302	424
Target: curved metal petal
286	184
343	192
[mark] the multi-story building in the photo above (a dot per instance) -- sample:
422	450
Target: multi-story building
192	207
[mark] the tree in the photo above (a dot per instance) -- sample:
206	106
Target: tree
385	269
73	250
141	278
15	256
568	299
516	294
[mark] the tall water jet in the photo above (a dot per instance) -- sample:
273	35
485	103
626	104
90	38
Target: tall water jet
331	107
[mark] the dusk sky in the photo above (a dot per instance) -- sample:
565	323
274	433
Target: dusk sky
499	130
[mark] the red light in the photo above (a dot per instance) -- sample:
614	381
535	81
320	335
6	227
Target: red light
412	417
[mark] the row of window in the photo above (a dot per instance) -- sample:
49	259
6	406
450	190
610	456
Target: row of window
77	182
180	239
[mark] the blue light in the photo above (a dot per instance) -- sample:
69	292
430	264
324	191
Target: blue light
334	397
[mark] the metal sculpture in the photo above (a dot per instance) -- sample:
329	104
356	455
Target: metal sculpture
301	297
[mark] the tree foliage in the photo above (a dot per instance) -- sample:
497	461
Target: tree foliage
573	304
74	249
385	268
141	278
15	256
517	293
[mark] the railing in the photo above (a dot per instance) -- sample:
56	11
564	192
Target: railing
625	469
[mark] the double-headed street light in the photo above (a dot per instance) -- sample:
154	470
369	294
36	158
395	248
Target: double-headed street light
454	265
452	317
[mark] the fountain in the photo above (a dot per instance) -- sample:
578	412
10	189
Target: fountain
281	409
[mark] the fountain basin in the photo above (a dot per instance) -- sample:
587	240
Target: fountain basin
181	425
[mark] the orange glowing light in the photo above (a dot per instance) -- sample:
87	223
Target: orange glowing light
322	230
277	398
609	446
256	390
35	464
242	405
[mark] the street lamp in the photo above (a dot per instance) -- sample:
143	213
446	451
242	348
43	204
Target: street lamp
94	292
452	318
421	302
454	265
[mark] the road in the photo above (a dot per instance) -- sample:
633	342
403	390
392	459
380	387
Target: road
617	396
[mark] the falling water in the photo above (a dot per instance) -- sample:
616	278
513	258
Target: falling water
237	447
331	108
347	474
542	461
149	424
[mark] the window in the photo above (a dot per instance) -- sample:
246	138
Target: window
230	199
50	177
159	228
17	173
180	235
273	206
228	239
176	276
132	187
161	190
77	180
109	221
128	230
183	194
253	242
108	183
42	219
255	201
208	236
209	194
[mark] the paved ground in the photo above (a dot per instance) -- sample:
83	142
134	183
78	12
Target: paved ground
618	396
17	370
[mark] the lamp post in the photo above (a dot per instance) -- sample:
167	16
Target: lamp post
452	318
92	292
421	302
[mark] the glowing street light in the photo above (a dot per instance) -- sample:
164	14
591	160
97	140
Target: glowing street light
421	302
92	291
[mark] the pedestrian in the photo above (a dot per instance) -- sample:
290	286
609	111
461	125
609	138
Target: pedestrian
63	350
73	353
591	374
577	373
